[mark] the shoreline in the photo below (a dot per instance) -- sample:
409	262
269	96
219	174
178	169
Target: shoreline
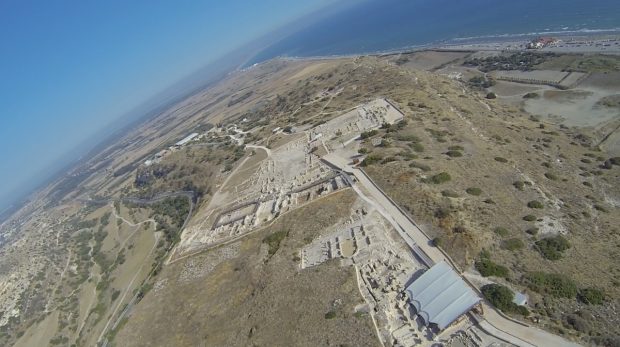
586	41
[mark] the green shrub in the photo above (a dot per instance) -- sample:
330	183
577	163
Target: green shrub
330	315
601	208
449	194
421	166
531	95
512	244
115	294
442	213
501	231
473	191
409	138
519	185
535	204
274	240
532	231
591	296
551	176
439	178
487	268
408	155
501	159
556	285
454	154
366	134
529	218
501	297
418	147
363	150
371	159
577	323
552	247
456	148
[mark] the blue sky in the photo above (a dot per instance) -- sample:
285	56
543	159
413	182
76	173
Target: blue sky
71	68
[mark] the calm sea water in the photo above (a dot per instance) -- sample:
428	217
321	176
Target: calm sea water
383	25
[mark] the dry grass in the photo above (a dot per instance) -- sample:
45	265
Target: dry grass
255	299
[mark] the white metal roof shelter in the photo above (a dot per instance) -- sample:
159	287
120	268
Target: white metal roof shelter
441	296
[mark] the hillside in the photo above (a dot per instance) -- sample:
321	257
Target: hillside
245	235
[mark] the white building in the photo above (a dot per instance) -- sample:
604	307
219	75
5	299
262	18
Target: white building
187	139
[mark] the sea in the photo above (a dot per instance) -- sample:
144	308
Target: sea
392	25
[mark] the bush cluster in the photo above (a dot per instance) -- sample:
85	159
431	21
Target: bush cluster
449	193
535	204
556	285
552	247
512	244
454	154
421	166
487	268
501	231
591	296
501	297
473	191
439	178
366	134
371	159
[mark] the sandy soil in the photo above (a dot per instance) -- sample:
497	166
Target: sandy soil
506	88
429	60
575	107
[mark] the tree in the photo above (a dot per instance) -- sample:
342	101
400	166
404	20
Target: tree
552	247
500	296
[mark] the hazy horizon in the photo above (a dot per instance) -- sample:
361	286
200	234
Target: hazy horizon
79	73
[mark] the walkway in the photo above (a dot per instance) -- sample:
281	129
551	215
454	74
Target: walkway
519	334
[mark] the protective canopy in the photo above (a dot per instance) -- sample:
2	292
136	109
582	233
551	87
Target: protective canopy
441	296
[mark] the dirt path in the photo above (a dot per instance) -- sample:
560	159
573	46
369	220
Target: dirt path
127	290
90	305
62	275
131	224
260	147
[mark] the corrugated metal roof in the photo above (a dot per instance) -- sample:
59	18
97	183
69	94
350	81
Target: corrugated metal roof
440	295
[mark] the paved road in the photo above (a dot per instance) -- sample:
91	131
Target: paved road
142	201
518	334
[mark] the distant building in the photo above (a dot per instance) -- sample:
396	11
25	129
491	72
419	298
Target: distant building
187	139
541	42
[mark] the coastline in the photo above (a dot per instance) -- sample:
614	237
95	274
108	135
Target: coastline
589	41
